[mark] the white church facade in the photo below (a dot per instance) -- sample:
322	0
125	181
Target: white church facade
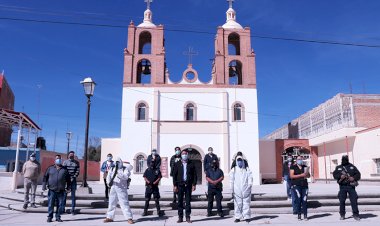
160	114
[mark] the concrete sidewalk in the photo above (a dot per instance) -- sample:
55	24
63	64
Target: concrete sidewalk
15	218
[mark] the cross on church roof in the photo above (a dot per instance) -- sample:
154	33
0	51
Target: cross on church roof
230	2
190	53
148	3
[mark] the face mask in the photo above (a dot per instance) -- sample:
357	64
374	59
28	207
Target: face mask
290	159
240	164
299	162
71	157
109	158
32	158
177	152
210	152
184	157
154	153
58	161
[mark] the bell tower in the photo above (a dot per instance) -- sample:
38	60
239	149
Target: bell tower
234	58
144	57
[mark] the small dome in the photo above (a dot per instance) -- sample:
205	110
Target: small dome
231	20
147	19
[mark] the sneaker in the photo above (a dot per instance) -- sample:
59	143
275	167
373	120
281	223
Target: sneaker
130	221
33	205
160	213
180	220
145	213
208	215
236	220
107	220
188	220
49	220
356	217
221	214
299	217
342	217
25	206
59	220
305	217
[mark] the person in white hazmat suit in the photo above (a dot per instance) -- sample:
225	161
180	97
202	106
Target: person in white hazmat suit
117	179
241	184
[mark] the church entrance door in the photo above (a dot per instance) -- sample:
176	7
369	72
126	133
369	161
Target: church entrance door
196	158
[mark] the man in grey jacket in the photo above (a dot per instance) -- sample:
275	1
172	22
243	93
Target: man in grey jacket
72	167
31	170
57	180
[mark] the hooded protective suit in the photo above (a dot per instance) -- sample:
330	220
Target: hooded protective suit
117	177
241	183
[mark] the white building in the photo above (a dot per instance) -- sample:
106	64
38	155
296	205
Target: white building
160	114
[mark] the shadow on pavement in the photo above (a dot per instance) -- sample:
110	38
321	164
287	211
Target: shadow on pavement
263	217
215	218
319	216
85	219
367	215
143	219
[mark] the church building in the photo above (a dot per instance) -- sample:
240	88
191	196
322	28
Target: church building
160	114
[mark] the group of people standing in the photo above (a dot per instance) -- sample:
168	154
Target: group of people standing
295	174
184	176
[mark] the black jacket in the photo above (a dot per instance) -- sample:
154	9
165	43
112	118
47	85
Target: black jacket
208	160
351	170
56	179
173	160
285	168
178	174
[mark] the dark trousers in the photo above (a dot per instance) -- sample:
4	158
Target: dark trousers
149	191
301	199
218	196
55	198
184	190
106	186
73	198
353	196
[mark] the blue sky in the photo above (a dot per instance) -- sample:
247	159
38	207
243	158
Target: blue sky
292	77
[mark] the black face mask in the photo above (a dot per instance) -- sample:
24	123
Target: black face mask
345	161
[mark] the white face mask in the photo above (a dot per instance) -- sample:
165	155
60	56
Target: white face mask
32	158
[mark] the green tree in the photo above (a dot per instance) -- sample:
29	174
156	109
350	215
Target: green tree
94	149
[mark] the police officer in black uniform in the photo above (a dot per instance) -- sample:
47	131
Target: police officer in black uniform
214	177
347	176
152	176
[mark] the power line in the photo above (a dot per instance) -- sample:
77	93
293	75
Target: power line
329	42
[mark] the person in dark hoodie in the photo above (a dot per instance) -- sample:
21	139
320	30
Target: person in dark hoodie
347	176
57	180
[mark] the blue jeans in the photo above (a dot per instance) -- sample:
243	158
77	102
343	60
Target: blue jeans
55	198
73	198
293	194
301	199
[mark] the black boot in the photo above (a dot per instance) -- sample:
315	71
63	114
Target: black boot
145	213
158	208
299	217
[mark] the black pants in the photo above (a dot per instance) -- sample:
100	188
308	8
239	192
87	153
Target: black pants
342	195
149	191
184	190
217	192
107	190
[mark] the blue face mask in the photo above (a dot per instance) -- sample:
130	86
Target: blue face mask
177	152
240	164
58	161
184	157
299	162
109	158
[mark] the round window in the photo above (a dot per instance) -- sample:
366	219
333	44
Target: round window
190	75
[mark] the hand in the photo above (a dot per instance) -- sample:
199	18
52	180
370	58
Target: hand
194	187
351	179
342	176
175	189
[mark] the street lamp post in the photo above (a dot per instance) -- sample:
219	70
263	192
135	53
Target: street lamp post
89	86
68	135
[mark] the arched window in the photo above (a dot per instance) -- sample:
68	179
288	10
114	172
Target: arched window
238	111
235	73
145	43
190	111
142	111
144	72
140	162
233	44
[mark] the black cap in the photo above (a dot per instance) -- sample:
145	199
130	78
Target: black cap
33	155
